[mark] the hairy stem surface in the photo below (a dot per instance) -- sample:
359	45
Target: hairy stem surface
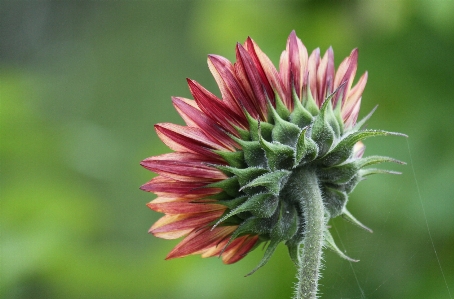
311	254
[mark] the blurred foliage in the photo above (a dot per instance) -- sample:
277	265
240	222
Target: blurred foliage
83	82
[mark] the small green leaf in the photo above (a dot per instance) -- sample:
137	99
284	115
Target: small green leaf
244	175
322	133
260	205
306	149
232	203
244	134
294	244
253	154
235	159
283	131
370	171
281	109
329	242
344	149
371	160
254	226
338	116
334	201
350	185
287	223
309	102
339	174
266	257
350	218
279	156
361	123
230	186
331	119
272	181
255	127
300	116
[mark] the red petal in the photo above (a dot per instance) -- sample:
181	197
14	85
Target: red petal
248	76
222	71
345	73
173	206
184	139
182	157
170	234
312	66
325	76
174	225
354	96
238	249
190	121
266	70
351	115
298	62
232	92
284	73
165	186
196	118
216	109
183	171
200	241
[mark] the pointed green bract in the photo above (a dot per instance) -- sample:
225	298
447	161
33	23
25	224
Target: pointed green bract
300	116
361	123
334	200
279	156
349	217
329	242
255	126
281	109
322	133
266	257
234	159
306	149
309	102
344	149
370	171
253	154
272	181
283	131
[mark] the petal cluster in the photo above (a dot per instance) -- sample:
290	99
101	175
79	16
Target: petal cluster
224	188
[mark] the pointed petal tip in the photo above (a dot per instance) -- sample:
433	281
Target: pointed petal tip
249	40
144	188
214	57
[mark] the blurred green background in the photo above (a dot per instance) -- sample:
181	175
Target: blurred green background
83	82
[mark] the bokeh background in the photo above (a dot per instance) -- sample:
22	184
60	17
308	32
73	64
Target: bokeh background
83	82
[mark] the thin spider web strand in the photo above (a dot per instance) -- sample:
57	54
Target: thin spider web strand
427	223
394	273
363	296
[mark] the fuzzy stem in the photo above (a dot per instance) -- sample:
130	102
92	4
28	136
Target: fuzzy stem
311	254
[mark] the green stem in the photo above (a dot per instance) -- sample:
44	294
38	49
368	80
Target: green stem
311	255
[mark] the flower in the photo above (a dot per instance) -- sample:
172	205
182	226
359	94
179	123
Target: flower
225	188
